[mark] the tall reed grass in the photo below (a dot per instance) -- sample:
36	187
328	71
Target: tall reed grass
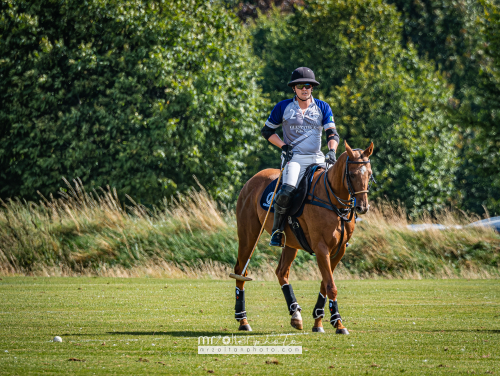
383	244
93	233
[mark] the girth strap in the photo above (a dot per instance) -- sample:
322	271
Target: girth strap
299	234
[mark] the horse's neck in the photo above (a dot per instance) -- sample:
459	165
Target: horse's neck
334	176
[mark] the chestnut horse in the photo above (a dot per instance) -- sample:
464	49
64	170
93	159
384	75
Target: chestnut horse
326	232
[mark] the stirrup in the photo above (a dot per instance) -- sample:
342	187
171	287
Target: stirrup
276	239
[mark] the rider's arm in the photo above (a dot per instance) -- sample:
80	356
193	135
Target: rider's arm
270	135
274	120
276	140
333	145
332	138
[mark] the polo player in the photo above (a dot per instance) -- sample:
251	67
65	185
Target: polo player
303	119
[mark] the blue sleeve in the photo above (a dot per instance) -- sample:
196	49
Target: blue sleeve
328	120
276	118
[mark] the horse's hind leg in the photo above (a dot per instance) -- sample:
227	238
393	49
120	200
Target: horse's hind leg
282	272
319	312
248	231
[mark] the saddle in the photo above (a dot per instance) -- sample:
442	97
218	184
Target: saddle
299	198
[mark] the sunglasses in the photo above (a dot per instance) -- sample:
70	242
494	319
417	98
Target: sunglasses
302	86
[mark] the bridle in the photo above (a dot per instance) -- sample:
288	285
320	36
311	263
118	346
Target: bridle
349	182
350	204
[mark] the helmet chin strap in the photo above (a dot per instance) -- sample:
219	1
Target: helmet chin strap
303	100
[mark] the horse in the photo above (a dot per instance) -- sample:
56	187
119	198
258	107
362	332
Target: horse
327	229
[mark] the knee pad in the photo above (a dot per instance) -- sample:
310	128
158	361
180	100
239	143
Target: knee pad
284	197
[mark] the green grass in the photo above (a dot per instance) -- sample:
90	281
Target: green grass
406	327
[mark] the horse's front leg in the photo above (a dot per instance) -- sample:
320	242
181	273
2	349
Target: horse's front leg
282	272
328	288
239	308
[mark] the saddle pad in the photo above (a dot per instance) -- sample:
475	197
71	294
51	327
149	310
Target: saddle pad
266	197
300	193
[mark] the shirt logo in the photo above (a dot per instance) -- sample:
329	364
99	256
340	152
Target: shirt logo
331	119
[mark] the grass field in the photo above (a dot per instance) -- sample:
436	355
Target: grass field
148	326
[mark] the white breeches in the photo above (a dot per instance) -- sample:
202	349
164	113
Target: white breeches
294	170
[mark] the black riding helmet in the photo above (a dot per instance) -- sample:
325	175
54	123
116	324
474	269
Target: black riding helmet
303	75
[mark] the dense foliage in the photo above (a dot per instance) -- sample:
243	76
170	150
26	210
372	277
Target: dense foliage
144	94
479	177
377	89
458	36
446	32
139	95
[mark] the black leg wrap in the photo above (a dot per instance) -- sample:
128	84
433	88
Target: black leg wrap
319	308
291	302
334	310
239	308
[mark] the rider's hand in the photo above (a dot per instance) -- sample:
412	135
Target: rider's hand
330	157
287	153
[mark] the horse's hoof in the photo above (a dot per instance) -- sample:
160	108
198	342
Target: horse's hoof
318	329
297	324
342	331
296	320
246	328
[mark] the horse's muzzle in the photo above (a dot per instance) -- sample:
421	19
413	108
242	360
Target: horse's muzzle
362	209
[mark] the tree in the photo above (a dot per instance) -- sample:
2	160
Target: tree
479	179
377	89
139	95
444	31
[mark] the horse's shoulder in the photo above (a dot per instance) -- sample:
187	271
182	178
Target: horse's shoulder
261	179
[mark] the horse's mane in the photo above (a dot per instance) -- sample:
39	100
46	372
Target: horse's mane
337	171
339	165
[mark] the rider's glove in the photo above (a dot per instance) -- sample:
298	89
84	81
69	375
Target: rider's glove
330	157
287	153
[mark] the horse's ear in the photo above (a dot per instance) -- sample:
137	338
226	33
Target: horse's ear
368	151
349	150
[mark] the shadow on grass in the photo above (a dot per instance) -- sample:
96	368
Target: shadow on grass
492	331
193	334
426	331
